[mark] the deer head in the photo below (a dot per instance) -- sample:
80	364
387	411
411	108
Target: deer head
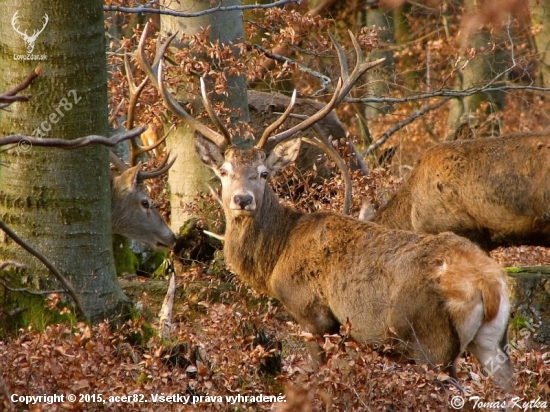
253	165
29	40
133	212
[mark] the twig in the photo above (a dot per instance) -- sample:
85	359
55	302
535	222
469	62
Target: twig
449	93
23	140
24	84
402	124
32	292
61	279
325	80
10	96
214	235
18	265
166	12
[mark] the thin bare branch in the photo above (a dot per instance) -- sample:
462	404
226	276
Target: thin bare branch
165	315
214	235
32	292
60	278
7	263
10	96
325	80
24	84
400	125
26	141
450	93
168	12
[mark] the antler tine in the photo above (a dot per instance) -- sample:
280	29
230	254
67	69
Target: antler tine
135	93
273	126
157	78
117	161
144	149
344	71
345	83
161	169
213	115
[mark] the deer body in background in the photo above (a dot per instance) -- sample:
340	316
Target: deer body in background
434	295
493	191
132	212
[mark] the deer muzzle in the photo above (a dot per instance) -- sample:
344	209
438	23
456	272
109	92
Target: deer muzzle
243	204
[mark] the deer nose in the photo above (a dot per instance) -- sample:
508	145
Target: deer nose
243	200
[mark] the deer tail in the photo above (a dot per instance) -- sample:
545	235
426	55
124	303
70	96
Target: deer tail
474	290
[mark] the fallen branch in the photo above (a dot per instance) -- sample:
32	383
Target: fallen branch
165	315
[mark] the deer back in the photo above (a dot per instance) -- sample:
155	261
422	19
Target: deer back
494	191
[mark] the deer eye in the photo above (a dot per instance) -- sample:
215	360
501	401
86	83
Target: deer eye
264	174
223	172
145	204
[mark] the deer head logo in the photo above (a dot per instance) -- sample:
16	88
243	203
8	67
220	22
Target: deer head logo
29	40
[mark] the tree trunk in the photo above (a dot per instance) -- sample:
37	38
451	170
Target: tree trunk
188	176
486	65
382	19
541	17
59	201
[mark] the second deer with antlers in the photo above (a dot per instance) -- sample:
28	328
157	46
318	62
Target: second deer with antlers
433	295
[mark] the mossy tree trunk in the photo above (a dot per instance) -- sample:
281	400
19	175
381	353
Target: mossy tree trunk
59	201
188	176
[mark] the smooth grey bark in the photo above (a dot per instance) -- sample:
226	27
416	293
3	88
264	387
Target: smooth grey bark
484	67
59	200
541	17
188	176
383	20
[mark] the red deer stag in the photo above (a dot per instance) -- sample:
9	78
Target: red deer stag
433	295
493	191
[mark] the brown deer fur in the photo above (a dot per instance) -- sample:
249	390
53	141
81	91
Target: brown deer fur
433	295
494	191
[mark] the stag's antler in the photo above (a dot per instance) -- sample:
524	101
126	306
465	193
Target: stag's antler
134	93
143	175
345	83
155	73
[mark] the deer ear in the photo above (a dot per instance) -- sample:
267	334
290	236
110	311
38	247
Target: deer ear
209	153
283	154
130	178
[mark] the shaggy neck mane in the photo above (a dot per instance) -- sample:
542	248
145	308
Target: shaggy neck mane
254	244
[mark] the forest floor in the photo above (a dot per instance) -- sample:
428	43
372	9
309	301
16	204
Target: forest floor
233	350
